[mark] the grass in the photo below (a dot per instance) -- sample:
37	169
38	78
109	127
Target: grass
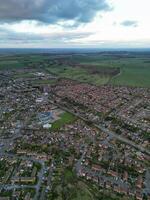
72	188
79	74
11	66
82	192
40	82
24	75
19	61
69	176
134	71
65	118
133	77
135	68
8	62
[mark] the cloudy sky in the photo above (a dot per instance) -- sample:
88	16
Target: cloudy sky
74	23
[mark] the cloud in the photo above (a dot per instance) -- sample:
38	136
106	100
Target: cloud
129	23
51	11
10	36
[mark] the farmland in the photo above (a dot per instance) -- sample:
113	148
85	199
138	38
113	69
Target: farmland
79	74
134	71
113	68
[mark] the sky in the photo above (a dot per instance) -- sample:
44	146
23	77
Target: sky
74	24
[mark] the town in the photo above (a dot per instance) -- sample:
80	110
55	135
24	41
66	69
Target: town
57	133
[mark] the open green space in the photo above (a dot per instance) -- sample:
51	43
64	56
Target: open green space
82	192
70	187
65	118
10	65
20	61
43	82
79	74
135	71
24	75
134	67
131	76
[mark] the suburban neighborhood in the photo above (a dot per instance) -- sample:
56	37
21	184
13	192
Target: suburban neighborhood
68	130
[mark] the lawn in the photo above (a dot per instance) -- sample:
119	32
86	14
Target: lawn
65	118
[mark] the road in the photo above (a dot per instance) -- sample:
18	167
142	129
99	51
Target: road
78	165
40	176
123	139
6	143
12	187
49	179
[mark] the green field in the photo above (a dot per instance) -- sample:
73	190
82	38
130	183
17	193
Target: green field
19	61
24	75
133	77
134	71
82	192
10	64
44	82
134	67
79	74
65	118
